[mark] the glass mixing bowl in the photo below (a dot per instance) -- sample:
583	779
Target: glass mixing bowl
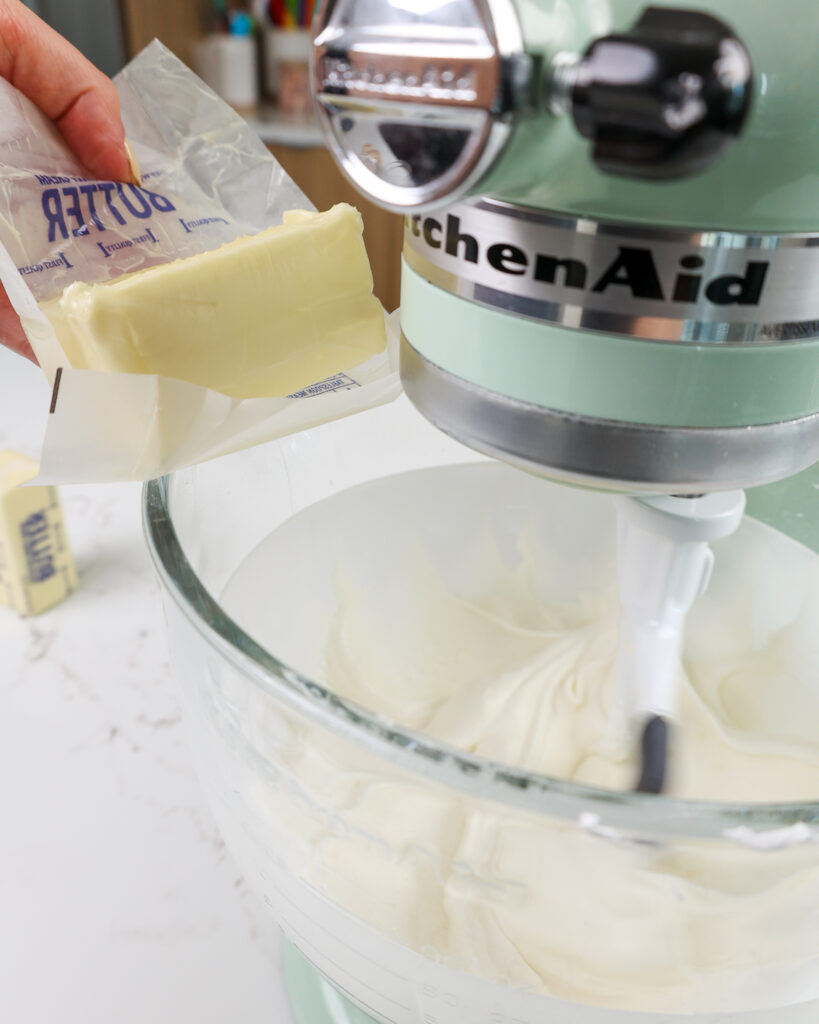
421	884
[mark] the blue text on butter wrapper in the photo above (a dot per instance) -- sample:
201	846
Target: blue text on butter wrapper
73	209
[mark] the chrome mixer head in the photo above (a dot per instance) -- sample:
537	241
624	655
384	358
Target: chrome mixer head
417	98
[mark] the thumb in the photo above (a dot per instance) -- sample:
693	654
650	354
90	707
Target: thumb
79	98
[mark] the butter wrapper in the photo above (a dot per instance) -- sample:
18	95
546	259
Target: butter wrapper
206	180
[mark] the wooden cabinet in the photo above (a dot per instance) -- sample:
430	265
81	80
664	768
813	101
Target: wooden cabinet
177	23
316	174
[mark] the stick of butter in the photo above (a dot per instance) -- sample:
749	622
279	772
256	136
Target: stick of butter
36	567
264	315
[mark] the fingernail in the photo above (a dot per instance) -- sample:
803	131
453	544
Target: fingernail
136	176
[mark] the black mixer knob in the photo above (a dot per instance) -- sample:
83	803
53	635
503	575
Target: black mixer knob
662	99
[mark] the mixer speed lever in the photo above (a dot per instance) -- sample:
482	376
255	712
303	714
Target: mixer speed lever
660	100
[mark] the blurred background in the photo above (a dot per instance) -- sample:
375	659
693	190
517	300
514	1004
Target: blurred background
110	31
94	26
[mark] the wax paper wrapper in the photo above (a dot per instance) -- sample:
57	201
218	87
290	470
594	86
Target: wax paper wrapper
207	179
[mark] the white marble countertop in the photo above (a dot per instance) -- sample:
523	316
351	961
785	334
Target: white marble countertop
118	900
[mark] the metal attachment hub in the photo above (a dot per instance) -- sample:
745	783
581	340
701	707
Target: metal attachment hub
416	98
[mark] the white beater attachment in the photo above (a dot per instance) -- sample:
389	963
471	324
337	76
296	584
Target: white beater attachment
663	564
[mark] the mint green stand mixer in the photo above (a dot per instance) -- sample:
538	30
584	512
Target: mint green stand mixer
609	273
610	280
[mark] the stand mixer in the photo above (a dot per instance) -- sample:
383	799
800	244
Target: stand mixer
609	281
607	278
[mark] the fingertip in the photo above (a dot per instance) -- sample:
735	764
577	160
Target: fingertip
136	174
112	164
12	335
27	352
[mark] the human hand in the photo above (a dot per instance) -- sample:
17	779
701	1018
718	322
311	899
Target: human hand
79	98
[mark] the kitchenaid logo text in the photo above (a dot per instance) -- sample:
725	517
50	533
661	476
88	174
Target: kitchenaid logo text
610	267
